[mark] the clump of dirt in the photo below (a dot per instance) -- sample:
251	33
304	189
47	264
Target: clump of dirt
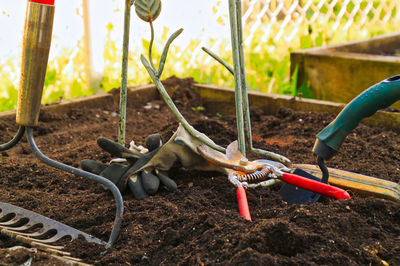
200	223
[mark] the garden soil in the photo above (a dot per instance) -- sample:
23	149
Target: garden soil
199	224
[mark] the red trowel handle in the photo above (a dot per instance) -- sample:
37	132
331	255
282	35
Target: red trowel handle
35	53
242	202
315	186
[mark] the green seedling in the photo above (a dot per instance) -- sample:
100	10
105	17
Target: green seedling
124	74
148	11
239	73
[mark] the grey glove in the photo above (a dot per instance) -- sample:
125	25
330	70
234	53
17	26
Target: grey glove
143	172
126	173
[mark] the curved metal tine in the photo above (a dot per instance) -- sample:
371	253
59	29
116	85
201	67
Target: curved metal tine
40	235
99	179
24	228
14	222
53	239
14	141
57	237
31	241
46	224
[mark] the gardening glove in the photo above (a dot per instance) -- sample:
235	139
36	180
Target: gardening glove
123	172
143	172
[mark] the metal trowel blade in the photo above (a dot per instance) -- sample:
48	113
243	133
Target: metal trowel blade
295	195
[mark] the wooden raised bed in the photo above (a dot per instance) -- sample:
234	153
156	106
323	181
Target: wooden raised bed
340	72
221	100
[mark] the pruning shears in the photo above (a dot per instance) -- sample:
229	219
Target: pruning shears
245	173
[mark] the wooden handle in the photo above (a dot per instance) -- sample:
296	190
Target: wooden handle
35	53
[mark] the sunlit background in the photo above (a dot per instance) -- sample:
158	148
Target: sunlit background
272	29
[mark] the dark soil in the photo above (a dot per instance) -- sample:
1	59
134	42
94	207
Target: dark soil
200	222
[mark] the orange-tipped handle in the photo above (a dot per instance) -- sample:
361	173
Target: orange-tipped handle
242	202
315	186
44	2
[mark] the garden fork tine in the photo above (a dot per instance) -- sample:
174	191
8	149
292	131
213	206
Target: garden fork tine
36	47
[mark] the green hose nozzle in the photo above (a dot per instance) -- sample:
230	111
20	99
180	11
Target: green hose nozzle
379	96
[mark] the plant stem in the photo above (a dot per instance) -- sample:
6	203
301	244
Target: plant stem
219	59
165	51
242	108
124	74
245	99
151	45
155	76
192	131
237	75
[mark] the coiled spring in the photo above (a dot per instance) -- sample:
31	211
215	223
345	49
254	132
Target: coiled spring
256	177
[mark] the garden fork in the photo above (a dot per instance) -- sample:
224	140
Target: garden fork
36	47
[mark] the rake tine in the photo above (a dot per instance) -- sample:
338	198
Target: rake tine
13	222
39	226
14	141
41	234
34	243
52	239
107	183
24	228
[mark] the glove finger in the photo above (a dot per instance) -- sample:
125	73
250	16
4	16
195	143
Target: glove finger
117	150
93	166
114	172
136	187
154	141
166	181
150	182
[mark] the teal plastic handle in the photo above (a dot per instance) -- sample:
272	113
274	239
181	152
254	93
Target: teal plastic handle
379	96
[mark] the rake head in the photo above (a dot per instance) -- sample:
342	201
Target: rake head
35	229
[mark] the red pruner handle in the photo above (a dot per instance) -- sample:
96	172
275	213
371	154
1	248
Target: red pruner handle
242	202
43	2
315	186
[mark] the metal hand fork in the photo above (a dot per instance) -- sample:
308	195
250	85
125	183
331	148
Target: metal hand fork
36	47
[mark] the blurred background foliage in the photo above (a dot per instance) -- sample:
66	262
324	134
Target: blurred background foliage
267	57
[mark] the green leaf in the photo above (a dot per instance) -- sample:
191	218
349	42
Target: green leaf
148	10
319	41
51	76
293	82
305	41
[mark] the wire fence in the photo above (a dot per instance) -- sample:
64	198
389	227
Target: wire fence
285	18
291	23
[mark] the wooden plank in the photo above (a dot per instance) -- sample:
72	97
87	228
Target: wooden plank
221	100
341	72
